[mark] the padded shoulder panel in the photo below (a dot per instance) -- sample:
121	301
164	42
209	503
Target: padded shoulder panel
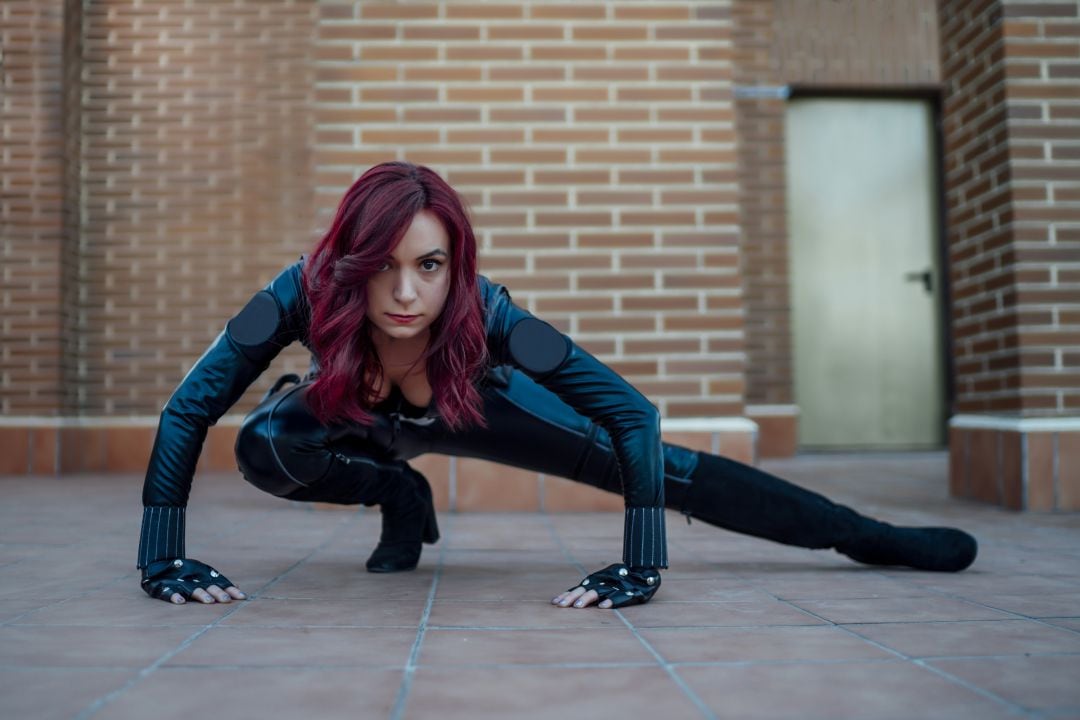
257	322
536	347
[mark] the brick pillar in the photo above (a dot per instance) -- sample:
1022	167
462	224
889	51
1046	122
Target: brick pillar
1012	144
31	228
759	110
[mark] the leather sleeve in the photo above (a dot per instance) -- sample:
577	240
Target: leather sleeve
516	337
273	318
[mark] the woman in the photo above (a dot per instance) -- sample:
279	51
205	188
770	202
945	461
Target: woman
414	352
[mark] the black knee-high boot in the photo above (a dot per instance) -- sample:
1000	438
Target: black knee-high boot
738	497
408	518
405	503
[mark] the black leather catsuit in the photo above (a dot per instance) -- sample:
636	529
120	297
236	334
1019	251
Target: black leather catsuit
550	407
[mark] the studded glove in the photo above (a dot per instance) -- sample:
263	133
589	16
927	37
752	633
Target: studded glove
164	577
623	585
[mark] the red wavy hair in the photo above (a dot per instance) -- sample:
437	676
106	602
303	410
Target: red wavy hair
370	221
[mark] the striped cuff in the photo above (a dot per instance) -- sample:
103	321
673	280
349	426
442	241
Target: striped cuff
645	537
162	534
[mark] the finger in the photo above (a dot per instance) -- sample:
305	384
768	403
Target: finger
571	596
219	594
236	592
177	598
202	596
587	599
605	603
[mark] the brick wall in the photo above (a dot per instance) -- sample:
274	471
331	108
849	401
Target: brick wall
595	142
196	137
208	143
869	43
31	189
1013	198
1012	75
1042	99
68	276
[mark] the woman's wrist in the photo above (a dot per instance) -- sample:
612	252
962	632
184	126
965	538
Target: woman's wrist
644	537
162	535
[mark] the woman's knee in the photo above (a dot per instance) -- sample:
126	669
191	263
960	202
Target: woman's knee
280	446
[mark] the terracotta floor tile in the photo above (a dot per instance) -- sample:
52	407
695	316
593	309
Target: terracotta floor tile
103	647
1071	623
11	609
708	590
525	614
980	637
364	612
55	693
830	691
1037	606
55	581
835	584
505	586
324	693
660	613
543	693
1041	683
138	610
332	580
991	584
532	647
314	602
907	609
728	644
303	646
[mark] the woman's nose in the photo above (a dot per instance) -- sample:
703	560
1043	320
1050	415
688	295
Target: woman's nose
405	288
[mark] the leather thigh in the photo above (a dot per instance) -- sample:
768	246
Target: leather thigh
283	449
530	427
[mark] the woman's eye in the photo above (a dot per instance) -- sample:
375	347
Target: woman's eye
431	265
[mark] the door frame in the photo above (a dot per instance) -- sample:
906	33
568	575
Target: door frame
933	95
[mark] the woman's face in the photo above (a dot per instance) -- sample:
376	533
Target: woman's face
408	292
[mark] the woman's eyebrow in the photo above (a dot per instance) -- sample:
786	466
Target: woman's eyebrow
433	253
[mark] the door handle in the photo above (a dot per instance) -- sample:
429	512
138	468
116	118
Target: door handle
926	277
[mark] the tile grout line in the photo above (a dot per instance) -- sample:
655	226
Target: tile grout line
948	677
410	667
94	707
1014	615
1011	707
15	620
660	659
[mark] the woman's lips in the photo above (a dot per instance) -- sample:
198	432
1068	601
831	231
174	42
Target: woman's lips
403	319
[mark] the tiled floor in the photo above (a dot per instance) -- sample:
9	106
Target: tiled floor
742	628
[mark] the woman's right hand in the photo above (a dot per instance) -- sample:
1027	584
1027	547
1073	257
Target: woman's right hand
180	579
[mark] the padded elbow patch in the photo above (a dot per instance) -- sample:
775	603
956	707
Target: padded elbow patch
257	322
537	347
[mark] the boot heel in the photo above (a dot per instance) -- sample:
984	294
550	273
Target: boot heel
431	527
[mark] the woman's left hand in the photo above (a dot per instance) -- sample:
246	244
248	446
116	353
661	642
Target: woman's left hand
580	597
615	586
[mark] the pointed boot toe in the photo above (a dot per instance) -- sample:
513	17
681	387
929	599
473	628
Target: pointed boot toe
937	549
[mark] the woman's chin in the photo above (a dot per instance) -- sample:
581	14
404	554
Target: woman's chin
402	332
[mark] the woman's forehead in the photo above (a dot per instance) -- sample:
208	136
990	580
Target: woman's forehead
424	234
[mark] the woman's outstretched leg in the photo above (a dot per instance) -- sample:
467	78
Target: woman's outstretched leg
283	449
742	498
529	427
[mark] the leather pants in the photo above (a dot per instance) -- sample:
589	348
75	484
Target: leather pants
281	448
